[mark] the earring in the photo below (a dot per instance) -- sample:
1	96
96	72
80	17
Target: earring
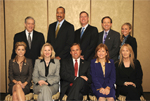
130	55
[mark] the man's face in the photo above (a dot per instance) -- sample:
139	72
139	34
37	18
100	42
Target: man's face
60	14
106	24
29	25
84	19
75	51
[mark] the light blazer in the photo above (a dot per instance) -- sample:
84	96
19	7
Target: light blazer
67	73
132	42
112	41
88	42
39	72
64	40
36	45
98	79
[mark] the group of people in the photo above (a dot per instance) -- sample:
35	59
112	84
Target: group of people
83	61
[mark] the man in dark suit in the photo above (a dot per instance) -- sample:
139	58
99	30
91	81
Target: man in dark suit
75	75
110	37
87	37
33	39
61	35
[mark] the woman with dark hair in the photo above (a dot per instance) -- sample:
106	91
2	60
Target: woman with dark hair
46	74
128	74
103	74
20	73
127	38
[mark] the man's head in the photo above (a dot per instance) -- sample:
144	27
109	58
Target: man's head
84	18
75	51
29	23
60	13
106	23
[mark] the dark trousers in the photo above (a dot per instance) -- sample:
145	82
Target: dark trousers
79	88
130	92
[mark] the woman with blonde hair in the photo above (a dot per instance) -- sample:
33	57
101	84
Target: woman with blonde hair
46	74
127	38
103	74
20	73
128	74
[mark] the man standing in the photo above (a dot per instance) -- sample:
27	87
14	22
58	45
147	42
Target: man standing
109	37
87	37
61	35
33	39
75	75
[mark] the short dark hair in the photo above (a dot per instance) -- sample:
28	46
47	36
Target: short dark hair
84	12
106	17
29	17
74	45
62	8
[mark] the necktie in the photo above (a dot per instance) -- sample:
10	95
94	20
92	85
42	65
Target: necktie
82	32
57	29
75	70
105	35
29	40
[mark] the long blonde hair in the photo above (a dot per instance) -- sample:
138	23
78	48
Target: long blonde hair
131	57
130	27
52	49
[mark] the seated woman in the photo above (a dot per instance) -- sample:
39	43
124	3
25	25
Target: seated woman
20	73
128	74
103	74
46	74
127	38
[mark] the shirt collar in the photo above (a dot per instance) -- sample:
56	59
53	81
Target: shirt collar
76	59
106	31
126	36
52	60
28	32
96	61
85	26
60	22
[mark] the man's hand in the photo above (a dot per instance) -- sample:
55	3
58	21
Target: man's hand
82	57
58	58
41	82
84	77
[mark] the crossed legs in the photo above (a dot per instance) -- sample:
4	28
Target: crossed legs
18	94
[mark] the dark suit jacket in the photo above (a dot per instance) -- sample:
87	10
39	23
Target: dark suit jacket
135	76
98	78
67	73
36	45
132	42
112	41
64	40
23	76
88	42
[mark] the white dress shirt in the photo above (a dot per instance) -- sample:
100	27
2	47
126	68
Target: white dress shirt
27	33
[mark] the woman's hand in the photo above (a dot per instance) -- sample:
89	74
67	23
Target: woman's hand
41	82
101	90
107	90
129	83
24	84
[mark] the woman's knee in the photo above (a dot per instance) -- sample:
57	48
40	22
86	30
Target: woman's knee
18	86
110	99
101	99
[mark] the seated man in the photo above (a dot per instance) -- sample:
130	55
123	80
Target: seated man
75	75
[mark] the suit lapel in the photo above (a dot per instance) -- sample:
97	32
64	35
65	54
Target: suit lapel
108	36
101	37
81	67
71	65
61	29
85	32
33	39
24	37
42	68
99	69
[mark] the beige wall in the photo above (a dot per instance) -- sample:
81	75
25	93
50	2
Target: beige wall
44	12
142	35
2	50
119	10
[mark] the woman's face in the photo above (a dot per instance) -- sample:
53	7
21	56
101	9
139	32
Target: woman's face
47	51
20	51
125	30
125	52
101	53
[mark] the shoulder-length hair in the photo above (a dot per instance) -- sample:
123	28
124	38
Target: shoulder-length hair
16	46
130	27
52	49
99	47
131	56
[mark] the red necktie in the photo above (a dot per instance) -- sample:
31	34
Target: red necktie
75	70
